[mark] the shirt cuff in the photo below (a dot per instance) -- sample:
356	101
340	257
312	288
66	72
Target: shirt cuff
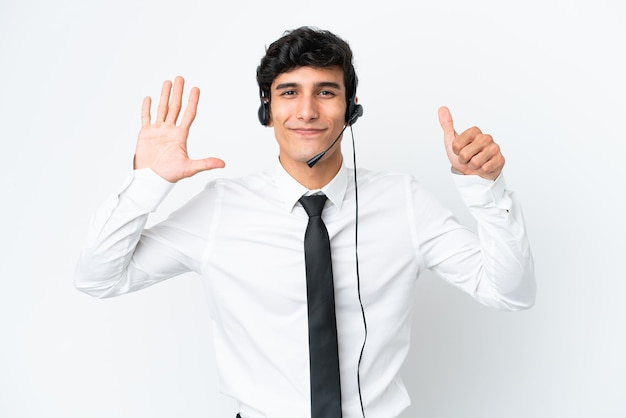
479	192
146	189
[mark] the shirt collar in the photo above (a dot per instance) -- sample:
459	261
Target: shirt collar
289	190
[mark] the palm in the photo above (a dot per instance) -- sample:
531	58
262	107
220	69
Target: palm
166	149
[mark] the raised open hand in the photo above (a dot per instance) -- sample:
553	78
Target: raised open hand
471	152
162	145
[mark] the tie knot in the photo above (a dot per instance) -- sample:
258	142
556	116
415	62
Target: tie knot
314	204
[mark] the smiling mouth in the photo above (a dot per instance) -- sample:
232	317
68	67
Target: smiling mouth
307	131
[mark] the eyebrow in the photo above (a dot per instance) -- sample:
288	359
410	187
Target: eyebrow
320	84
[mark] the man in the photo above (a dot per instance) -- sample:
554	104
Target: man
246	238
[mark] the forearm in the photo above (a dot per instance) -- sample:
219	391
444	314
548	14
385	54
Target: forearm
106	267
505	272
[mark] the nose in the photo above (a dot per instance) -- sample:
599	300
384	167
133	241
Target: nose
307	108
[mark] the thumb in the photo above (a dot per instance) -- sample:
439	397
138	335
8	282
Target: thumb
196	166
445	120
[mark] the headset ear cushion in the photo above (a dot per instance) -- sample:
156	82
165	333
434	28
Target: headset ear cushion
355	111
264	113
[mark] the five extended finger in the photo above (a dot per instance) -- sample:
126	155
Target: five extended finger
145	111
163	108
196	166
192	107
176	100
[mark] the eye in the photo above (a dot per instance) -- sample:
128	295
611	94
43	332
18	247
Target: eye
288	93
327	93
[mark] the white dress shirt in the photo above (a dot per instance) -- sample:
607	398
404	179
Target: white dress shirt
244	237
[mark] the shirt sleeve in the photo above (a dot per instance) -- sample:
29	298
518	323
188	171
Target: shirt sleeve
115	258
495	264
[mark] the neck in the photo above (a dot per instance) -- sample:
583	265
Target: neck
317	176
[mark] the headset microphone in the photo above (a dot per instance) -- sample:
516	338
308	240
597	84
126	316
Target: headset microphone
358	112
319	156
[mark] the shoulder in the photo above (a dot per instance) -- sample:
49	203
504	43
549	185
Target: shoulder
400	188
253	189
385	180
248	182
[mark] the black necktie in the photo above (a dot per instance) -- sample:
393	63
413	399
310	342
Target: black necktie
324	359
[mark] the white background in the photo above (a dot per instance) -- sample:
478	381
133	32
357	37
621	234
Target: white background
545	77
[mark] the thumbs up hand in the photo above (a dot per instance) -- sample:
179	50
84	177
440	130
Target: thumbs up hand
470	152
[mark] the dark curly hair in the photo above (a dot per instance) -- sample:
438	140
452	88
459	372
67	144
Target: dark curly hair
306	46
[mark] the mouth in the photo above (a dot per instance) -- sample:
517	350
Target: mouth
307	132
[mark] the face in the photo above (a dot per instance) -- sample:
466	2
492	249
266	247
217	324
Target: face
307	111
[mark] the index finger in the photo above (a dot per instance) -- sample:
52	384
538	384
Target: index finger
145	111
